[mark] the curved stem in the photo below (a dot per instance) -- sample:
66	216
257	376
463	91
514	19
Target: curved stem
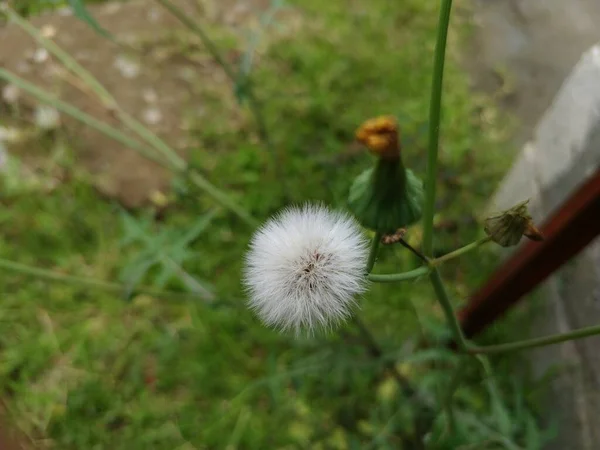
424	404
536	342
81	116
434	126
459	252
52	275
253	102
374	250
105	97
442	296
395	277
447	400
194	177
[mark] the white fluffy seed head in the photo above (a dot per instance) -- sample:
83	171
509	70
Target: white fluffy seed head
305	267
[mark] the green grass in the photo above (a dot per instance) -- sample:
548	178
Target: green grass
86	369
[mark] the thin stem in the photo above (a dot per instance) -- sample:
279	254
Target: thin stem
395	277
536	342
440	291
196	178
459	252
376	352
69	62
447	401
208	43
74	279
434	126
173	160
415	251
426	405
222	198
76	113
254	103
105	97
374	250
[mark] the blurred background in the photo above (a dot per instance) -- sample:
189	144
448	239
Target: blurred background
135	334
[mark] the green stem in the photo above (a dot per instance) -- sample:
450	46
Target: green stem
72	111
222	198
447	401
440	291
434	126
206	41
254	104
105	97
196	178
73	279
69	62
395	277
536	342
415	251
424	404
173	160
374	250
459	252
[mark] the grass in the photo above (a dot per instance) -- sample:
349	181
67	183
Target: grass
86	369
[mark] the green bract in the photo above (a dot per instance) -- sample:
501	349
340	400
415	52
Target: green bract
386	197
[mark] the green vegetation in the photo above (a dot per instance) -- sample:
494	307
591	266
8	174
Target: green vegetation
85	368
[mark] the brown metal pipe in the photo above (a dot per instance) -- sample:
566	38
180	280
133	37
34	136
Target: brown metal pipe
567	232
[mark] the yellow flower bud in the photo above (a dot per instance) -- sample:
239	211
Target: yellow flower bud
380	136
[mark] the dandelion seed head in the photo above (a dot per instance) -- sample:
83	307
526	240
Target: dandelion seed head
305	268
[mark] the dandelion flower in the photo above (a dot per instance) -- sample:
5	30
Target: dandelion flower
304	268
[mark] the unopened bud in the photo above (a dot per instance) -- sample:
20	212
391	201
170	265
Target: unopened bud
380	136
387	196
507	227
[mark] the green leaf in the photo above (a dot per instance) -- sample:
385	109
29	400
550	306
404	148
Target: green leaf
83	14
165	250
533	439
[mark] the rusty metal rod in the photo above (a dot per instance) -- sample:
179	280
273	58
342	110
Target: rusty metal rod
573	226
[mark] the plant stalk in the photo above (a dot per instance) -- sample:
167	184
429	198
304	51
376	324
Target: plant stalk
253	102
536	342
434	126
395	277
52	275
459	252
374	250
194	177
444	300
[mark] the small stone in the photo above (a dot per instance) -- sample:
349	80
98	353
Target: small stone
11	94
46	117
152	116
48	31
126	67
40	55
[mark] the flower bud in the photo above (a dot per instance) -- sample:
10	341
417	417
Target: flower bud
507	227
387	196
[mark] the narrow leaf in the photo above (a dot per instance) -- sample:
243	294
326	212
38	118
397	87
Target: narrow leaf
82	13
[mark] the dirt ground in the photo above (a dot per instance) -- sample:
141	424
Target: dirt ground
147	76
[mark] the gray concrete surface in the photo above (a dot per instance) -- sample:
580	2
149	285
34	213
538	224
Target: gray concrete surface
563	152
526	48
